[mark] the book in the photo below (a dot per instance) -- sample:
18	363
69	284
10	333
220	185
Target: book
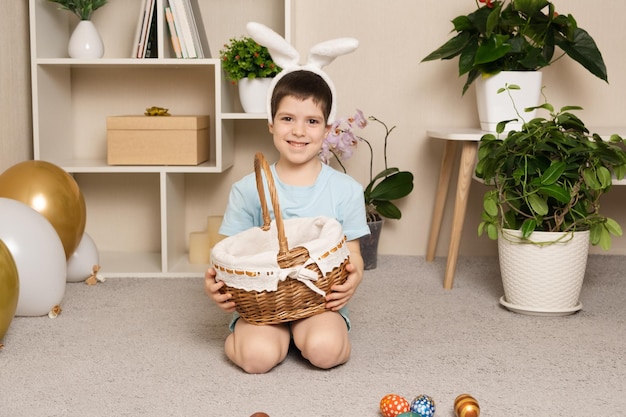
140	22
186	27
169	17
149	11
175	6
199	33
151	46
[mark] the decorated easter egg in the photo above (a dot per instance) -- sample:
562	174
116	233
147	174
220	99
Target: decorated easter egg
408	414
466	406
391	405
423	406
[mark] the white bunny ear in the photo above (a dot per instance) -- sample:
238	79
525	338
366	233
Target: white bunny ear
288	58
283	54
324	53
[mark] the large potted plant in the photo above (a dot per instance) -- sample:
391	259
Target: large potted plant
250	66
547	180
514	38
85	41
382	190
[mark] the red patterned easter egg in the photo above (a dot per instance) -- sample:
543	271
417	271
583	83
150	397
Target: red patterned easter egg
391	405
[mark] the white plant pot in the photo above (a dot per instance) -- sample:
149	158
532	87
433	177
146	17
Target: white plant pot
253	94
543	279
494	108
85	41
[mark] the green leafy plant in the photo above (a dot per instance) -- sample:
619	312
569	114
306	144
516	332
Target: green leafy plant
244	58
517	35
549	176
81	8
385	187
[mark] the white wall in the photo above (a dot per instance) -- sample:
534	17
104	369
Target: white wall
15	121
383	78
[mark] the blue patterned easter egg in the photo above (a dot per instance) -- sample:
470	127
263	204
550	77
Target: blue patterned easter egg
423	406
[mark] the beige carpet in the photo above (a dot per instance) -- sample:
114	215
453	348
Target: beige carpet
153	347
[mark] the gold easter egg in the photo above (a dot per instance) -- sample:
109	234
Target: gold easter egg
466	406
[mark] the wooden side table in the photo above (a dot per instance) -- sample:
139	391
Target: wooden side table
468	139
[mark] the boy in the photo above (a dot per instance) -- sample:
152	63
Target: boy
301	102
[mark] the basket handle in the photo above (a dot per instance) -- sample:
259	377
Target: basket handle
261	163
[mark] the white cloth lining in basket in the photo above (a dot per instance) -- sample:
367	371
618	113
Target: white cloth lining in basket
248	261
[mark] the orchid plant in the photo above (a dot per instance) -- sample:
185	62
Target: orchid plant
388	185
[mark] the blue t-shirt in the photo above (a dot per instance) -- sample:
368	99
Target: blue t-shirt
334	194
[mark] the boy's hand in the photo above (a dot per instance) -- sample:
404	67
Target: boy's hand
212	289
341	294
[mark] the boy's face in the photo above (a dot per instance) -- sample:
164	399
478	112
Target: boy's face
299	129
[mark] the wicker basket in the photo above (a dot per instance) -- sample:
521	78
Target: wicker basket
293	298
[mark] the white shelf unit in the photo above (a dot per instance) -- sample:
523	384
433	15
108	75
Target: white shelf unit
137	215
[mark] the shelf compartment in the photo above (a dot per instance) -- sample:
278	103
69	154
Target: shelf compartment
130	264
74	102
124	217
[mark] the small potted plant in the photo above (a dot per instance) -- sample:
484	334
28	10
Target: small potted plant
81	8
515	38
547	179
383	189
85	41
250	66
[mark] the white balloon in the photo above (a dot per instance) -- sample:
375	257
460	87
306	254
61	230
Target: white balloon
81	263
39	257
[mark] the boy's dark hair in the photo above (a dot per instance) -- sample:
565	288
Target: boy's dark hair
303	85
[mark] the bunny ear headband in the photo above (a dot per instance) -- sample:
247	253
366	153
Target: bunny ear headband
286	57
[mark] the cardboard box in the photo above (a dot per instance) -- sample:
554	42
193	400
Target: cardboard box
157	140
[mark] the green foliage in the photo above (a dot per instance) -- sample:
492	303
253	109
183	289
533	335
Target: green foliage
81	8
517	35
549	176
244	58
388	185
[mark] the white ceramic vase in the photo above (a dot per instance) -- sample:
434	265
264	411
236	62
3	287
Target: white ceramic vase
494	108
543	279
85	41
253	94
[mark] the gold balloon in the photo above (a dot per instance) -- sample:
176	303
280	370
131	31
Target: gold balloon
51	191
9	288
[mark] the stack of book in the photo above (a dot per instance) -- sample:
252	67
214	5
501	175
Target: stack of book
185	27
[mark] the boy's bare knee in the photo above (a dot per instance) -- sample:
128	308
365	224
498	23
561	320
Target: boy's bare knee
325	352
260	359
323	340
257	353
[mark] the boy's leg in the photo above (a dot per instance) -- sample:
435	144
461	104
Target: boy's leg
323	339
257	349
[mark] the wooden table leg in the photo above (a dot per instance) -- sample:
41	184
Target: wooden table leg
445	173
466	168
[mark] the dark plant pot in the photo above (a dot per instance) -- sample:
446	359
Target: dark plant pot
369	244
